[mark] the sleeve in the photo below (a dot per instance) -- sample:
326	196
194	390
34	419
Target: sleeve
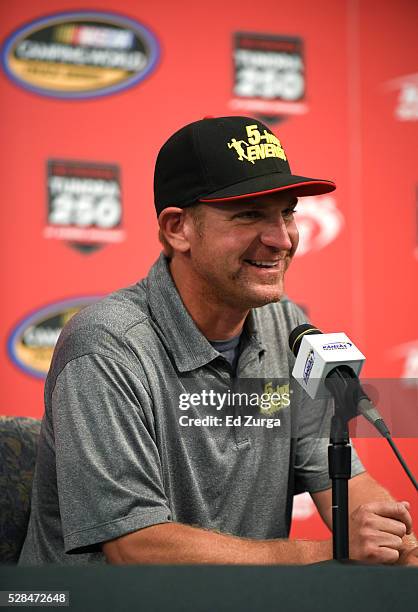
109	473
311	459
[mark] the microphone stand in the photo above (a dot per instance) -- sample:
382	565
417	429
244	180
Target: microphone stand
350	401
339	463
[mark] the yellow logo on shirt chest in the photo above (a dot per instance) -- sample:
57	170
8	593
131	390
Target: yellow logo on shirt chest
275	398
255	149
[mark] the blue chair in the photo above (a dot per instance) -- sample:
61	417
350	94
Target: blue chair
18	447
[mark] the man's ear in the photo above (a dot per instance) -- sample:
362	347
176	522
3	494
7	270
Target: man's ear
174	228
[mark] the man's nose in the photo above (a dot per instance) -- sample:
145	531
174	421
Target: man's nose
276	235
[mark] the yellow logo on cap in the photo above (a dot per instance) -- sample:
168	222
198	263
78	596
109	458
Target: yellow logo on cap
254	148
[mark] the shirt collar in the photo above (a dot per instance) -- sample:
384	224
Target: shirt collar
189	347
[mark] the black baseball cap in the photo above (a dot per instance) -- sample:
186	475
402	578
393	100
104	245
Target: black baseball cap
222	159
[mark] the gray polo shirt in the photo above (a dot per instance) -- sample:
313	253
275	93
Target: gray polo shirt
146	423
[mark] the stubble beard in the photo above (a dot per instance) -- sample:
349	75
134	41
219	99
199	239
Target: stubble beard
239	292
255	296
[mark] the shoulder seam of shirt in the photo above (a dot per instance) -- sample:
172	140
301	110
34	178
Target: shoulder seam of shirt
145	319
107	357
89	327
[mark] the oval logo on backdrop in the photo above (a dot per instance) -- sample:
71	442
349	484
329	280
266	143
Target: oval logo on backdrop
32	342
81	54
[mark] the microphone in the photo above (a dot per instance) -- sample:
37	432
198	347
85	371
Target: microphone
329	364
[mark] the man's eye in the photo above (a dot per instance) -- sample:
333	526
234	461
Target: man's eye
289	212
249	214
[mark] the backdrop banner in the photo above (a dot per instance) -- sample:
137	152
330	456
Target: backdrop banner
90	91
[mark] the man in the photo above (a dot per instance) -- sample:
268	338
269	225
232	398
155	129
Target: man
128	470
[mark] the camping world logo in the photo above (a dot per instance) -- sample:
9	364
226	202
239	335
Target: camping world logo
80	55
31	343
269	74
84	205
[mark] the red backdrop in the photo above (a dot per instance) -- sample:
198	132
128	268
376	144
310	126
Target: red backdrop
355	122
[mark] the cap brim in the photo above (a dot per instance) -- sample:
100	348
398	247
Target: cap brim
270	183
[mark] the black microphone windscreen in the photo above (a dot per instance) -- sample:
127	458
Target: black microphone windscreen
296	336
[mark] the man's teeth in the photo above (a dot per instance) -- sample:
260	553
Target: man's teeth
263	264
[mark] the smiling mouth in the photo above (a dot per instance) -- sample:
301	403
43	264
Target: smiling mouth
263	264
